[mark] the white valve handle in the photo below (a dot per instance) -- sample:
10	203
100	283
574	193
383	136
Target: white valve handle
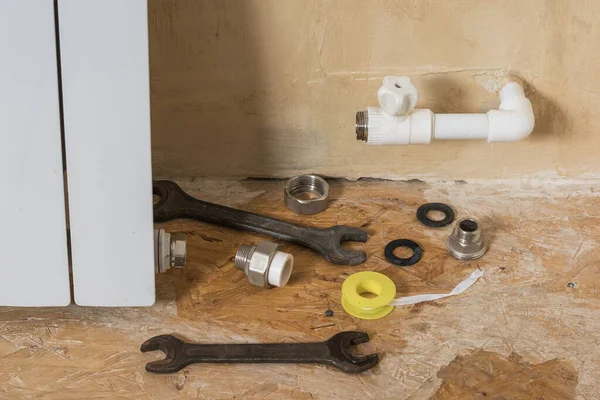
397	96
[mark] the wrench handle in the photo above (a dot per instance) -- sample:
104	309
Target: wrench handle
175	203
258	353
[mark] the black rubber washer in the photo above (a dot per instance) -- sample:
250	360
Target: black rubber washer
403	262
441	207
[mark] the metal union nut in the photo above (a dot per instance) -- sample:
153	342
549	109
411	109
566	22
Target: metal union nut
178	250
466	241
306	194
255	261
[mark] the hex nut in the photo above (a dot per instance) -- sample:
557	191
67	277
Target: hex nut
466	241
259	263
306	184
178	250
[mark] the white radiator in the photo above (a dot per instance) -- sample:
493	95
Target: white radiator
106	110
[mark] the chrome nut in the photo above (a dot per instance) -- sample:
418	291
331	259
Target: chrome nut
178	250
264	264
298	189
466	241
255	260
258	267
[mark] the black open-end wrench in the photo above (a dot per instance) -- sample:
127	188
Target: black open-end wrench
175	203
334	352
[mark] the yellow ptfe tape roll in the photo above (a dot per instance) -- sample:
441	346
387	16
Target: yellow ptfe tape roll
381	292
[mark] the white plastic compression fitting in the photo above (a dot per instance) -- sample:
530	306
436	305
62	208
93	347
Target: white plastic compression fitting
396	122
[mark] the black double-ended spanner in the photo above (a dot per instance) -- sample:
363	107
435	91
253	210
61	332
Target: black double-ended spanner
175	203
333	352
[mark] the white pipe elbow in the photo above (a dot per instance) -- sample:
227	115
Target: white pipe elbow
514	120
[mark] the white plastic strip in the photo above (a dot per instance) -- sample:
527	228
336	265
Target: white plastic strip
104	58
33	239
420	298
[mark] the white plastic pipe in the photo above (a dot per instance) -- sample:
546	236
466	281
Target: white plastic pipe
514	120
461	126
280	269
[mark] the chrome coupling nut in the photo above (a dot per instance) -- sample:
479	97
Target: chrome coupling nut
264	264
306	194
466	241
170	250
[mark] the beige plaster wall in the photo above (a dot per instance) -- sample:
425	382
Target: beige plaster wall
267	88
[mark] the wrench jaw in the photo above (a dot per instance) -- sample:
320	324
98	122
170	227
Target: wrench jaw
173	349
341	356
174	202
163	189
334	253
350	234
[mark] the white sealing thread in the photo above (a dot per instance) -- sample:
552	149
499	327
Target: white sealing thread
420	298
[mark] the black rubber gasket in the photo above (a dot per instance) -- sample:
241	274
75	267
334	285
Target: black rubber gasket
441	207
403	262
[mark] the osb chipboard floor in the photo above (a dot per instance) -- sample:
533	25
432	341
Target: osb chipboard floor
520	332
